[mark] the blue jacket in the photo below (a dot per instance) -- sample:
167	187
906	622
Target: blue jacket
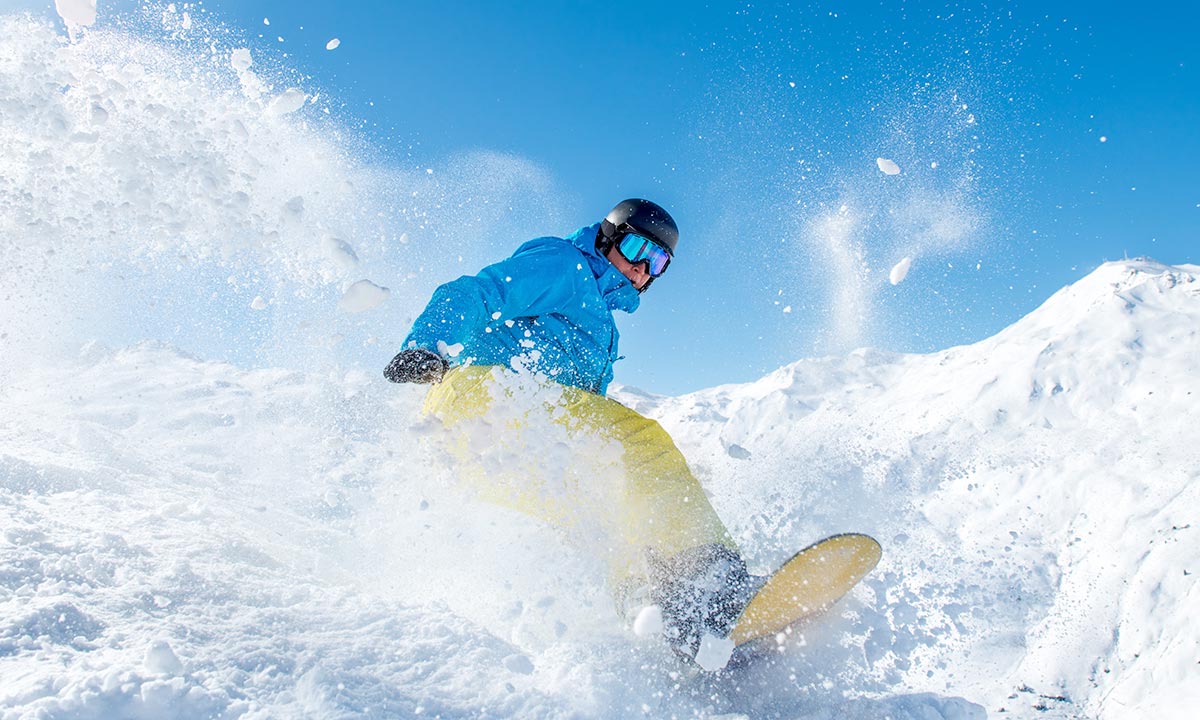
547	308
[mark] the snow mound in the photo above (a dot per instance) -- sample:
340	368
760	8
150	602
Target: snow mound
162	660
1032	493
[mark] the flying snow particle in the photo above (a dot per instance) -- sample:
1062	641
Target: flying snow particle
714	652
288	101
240	60
887	166
161	659
362	296
449	350
333	44
258	303
900	271
1103	138
649	622
340	252
80	13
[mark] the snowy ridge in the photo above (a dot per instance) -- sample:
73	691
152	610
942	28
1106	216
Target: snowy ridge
1035	492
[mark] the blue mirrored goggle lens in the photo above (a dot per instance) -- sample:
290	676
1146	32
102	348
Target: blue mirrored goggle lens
636	248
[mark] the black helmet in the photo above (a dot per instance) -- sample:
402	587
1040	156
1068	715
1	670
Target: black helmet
642	217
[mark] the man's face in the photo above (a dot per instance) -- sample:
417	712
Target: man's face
636	272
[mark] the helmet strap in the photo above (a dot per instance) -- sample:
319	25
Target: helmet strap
606	237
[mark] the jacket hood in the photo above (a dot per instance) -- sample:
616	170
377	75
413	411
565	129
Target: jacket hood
618	292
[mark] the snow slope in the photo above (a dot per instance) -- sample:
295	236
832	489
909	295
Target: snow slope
1036	494
184	538
190	538
258	529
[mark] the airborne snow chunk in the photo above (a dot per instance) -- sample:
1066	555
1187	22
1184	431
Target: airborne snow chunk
363	295
333	44
446	350
737	452
81	13
340	252
900	271
288	101
887	166
240	60
714	653
258	303
649	622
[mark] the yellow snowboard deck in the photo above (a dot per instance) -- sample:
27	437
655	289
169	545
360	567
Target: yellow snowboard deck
809	583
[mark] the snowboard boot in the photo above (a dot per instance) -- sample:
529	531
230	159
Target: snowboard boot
702	591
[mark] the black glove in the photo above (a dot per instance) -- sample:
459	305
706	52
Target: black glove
416	365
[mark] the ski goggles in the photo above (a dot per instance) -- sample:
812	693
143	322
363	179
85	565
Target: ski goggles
636	248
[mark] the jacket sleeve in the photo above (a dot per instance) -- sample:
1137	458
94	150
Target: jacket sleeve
540	278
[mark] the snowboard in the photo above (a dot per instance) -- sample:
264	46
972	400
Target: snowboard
809	583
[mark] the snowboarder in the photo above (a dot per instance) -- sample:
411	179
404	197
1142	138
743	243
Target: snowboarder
558	293
549	309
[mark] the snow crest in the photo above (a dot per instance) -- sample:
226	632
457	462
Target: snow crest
1032	493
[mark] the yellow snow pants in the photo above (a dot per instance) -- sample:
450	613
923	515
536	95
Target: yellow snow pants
579	461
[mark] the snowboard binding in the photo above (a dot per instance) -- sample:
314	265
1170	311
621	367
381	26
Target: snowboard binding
701	591
706	591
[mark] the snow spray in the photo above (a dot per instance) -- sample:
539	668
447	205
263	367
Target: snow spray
164	178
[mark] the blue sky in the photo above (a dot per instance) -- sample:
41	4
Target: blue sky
1035	140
